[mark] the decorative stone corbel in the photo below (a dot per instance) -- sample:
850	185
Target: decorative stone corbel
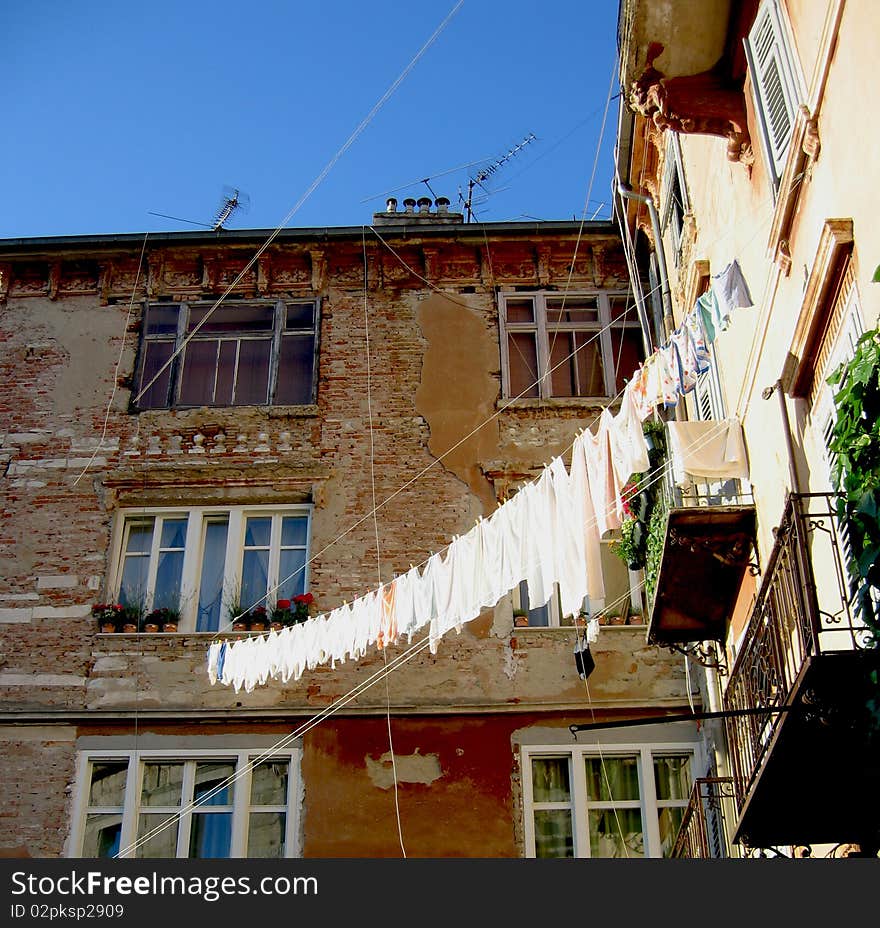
702	104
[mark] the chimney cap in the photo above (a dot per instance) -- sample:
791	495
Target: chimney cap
391	204
409	203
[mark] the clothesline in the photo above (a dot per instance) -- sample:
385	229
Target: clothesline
547	535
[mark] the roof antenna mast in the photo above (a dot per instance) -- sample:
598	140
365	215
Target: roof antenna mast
486	172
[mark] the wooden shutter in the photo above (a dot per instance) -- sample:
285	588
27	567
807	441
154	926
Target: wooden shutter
774	82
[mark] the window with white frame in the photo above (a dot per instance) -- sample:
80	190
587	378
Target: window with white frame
776	82
210	562
619	801
579	344
234	354
151	804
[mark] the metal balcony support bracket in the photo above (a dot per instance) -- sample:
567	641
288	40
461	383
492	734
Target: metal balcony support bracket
706	653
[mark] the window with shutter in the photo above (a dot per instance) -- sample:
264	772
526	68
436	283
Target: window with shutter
775	83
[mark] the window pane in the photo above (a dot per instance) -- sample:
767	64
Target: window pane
300	316
269	784
232	318
162	843
553	836
254	578
168	574
140	537
539	616
162	319
520	310
576	364
572	309
107	788
161	784
670	822
211	581
213	786
291	574
550	782
628	353
294	531
252	377
133	588
226	361
102	835
616	833
197	376
266	834
672	776
173	533
622	308
155	356
295	370
210	835
522	357
257	531
613	779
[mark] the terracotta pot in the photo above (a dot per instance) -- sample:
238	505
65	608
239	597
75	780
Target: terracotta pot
169	627
277	626
108	627
521	621
130	628
239	626
258	626
151	627
617	620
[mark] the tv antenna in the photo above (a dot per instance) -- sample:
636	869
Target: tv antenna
233	199
485	173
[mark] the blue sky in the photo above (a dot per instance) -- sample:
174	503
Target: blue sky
113	111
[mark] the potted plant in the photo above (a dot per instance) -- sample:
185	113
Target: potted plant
520	618
164	618
131	619
281	615
108	616
630	547
258	620
303	607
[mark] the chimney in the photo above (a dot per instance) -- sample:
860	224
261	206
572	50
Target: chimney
418	213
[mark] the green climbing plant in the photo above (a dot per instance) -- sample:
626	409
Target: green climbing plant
855	444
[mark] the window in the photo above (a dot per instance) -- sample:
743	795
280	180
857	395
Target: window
623	801
208	805
209	562
776	84
583	344
239	354
675	200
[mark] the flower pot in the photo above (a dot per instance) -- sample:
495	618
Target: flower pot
239	626
108	627
130	628
276	626
617	620
169	627
521	621
151	627
258	626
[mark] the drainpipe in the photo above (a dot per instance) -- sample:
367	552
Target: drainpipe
792	469
624	191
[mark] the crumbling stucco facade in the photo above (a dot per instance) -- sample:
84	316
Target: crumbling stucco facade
446	445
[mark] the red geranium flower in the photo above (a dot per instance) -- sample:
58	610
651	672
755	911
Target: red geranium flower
305	598
283	604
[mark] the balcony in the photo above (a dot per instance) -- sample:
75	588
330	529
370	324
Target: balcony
703	832
806	770
707	546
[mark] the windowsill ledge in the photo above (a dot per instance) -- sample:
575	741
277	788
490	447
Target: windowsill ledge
568	402
306	411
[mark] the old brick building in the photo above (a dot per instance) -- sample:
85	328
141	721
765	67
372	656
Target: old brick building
192	415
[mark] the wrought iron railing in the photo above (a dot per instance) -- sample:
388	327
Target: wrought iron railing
803	608
704	830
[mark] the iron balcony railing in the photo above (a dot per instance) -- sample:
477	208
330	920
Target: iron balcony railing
704	830
803	608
